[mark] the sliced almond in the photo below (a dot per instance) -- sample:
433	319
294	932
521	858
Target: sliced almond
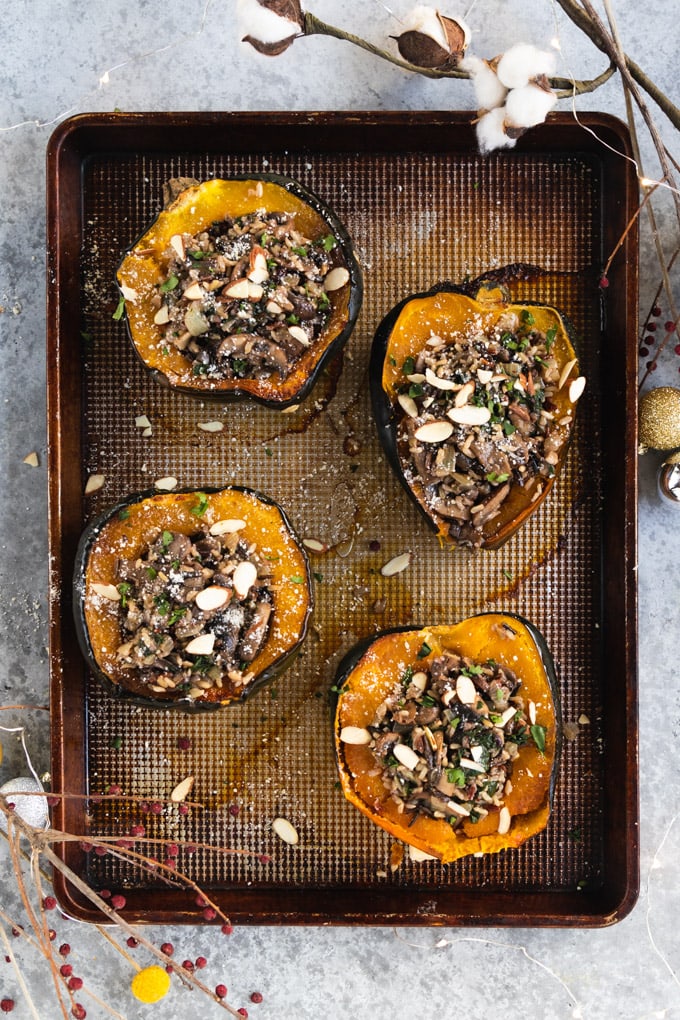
576	388
458	809
258	267
314	545
286	831
182	790
408	405
419	680
142	422
566	372
471	765
194	292
470	415
213	597
211	426
32	459
406	755
484	375
466	690
166	484
255	292
201	645
464	394
94	483
290	410
439	384
417	855
273	308
434	432
509	714
238	289
147	432
129	293
396	565
177	242
532	712
336	279
354	735
162	316
298	333
227	526
106	591
504	819
244	578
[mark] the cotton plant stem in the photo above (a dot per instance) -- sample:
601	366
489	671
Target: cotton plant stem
583	19
660	254
315	26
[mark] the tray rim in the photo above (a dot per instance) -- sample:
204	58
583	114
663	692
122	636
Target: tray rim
69	146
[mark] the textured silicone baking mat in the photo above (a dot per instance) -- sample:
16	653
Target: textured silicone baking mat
416	217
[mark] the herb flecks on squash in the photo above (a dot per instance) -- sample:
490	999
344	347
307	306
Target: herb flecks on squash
448	737
475	398
191	598
241	289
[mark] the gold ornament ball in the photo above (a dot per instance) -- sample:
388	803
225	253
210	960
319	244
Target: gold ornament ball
659	419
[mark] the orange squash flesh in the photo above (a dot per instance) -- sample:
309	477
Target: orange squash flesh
445	311
129	529
367	681
194	210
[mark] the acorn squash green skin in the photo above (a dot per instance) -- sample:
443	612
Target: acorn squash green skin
94	536
387	414
365	687
271	395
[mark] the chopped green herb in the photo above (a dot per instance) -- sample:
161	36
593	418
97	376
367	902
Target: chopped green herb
538	733
198	369
240	366
273	693
328	243
508	427
170	284
116	743
166	539
296	578
406	676
527	317
424	650
318	577
392	360
202	664
293	319
151	573
508	575
123	514
456	776
124	591
176	614
197	255
268	451
550	338
200	508
162	604
299	249
120	308
409	366
575	834
496	479
415	390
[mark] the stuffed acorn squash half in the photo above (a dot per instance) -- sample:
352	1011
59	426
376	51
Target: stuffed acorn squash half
474	397
242	289
193	598
448	737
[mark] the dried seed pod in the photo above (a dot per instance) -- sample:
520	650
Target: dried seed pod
432	40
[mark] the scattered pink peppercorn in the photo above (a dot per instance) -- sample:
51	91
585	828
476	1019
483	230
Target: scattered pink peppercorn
201	962
172	850
604	282
190	848
183	809
264	859
66	970
10	805
644	352
221	991
78	1011
49	903
156	808
227	929
75	983
101	851
188	965
242	1011
209	913
118	902
132	942
256	997
64	949
7	1005
126	844
170	969
184	743
167	949
52	934
144	807
114	789
170	863
105	894
137	830
234	809
656	311
86	847
200	902
52	801
651	326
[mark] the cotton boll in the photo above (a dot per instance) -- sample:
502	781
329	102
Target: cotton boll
490	92
263	24
523	62
491	132
425	19
32	810
529	105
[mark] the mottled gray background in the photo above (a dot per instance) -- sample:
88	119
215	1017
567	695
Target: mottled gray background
68	57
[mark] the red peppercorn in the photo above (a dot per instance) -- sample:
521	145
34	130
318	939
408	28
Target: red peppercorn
144	807
113	789
78	1011
242	1011
200	902
190	848
156	808
201	962
221	991
184	743
101	851
167	948
256	997
75	983
644	352
118	902
64	949
669	326
52	934
170	969
651	326
234	809
170	863
49	903
105	894
172	850
52	801
86	847
66	970
604	282
227	929
264	859
188	965
209	913
656	311
132	942
183	809
137	830
7	1005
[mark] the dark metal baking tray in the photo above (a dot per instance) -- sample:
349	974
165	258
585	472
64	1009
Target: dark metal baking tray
422	206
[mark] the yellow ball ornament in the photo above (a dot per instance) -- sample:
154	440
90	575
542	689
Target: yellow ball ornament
151	984
659	419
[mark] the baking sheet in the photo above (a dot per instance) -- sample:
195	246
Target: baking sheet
421	206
